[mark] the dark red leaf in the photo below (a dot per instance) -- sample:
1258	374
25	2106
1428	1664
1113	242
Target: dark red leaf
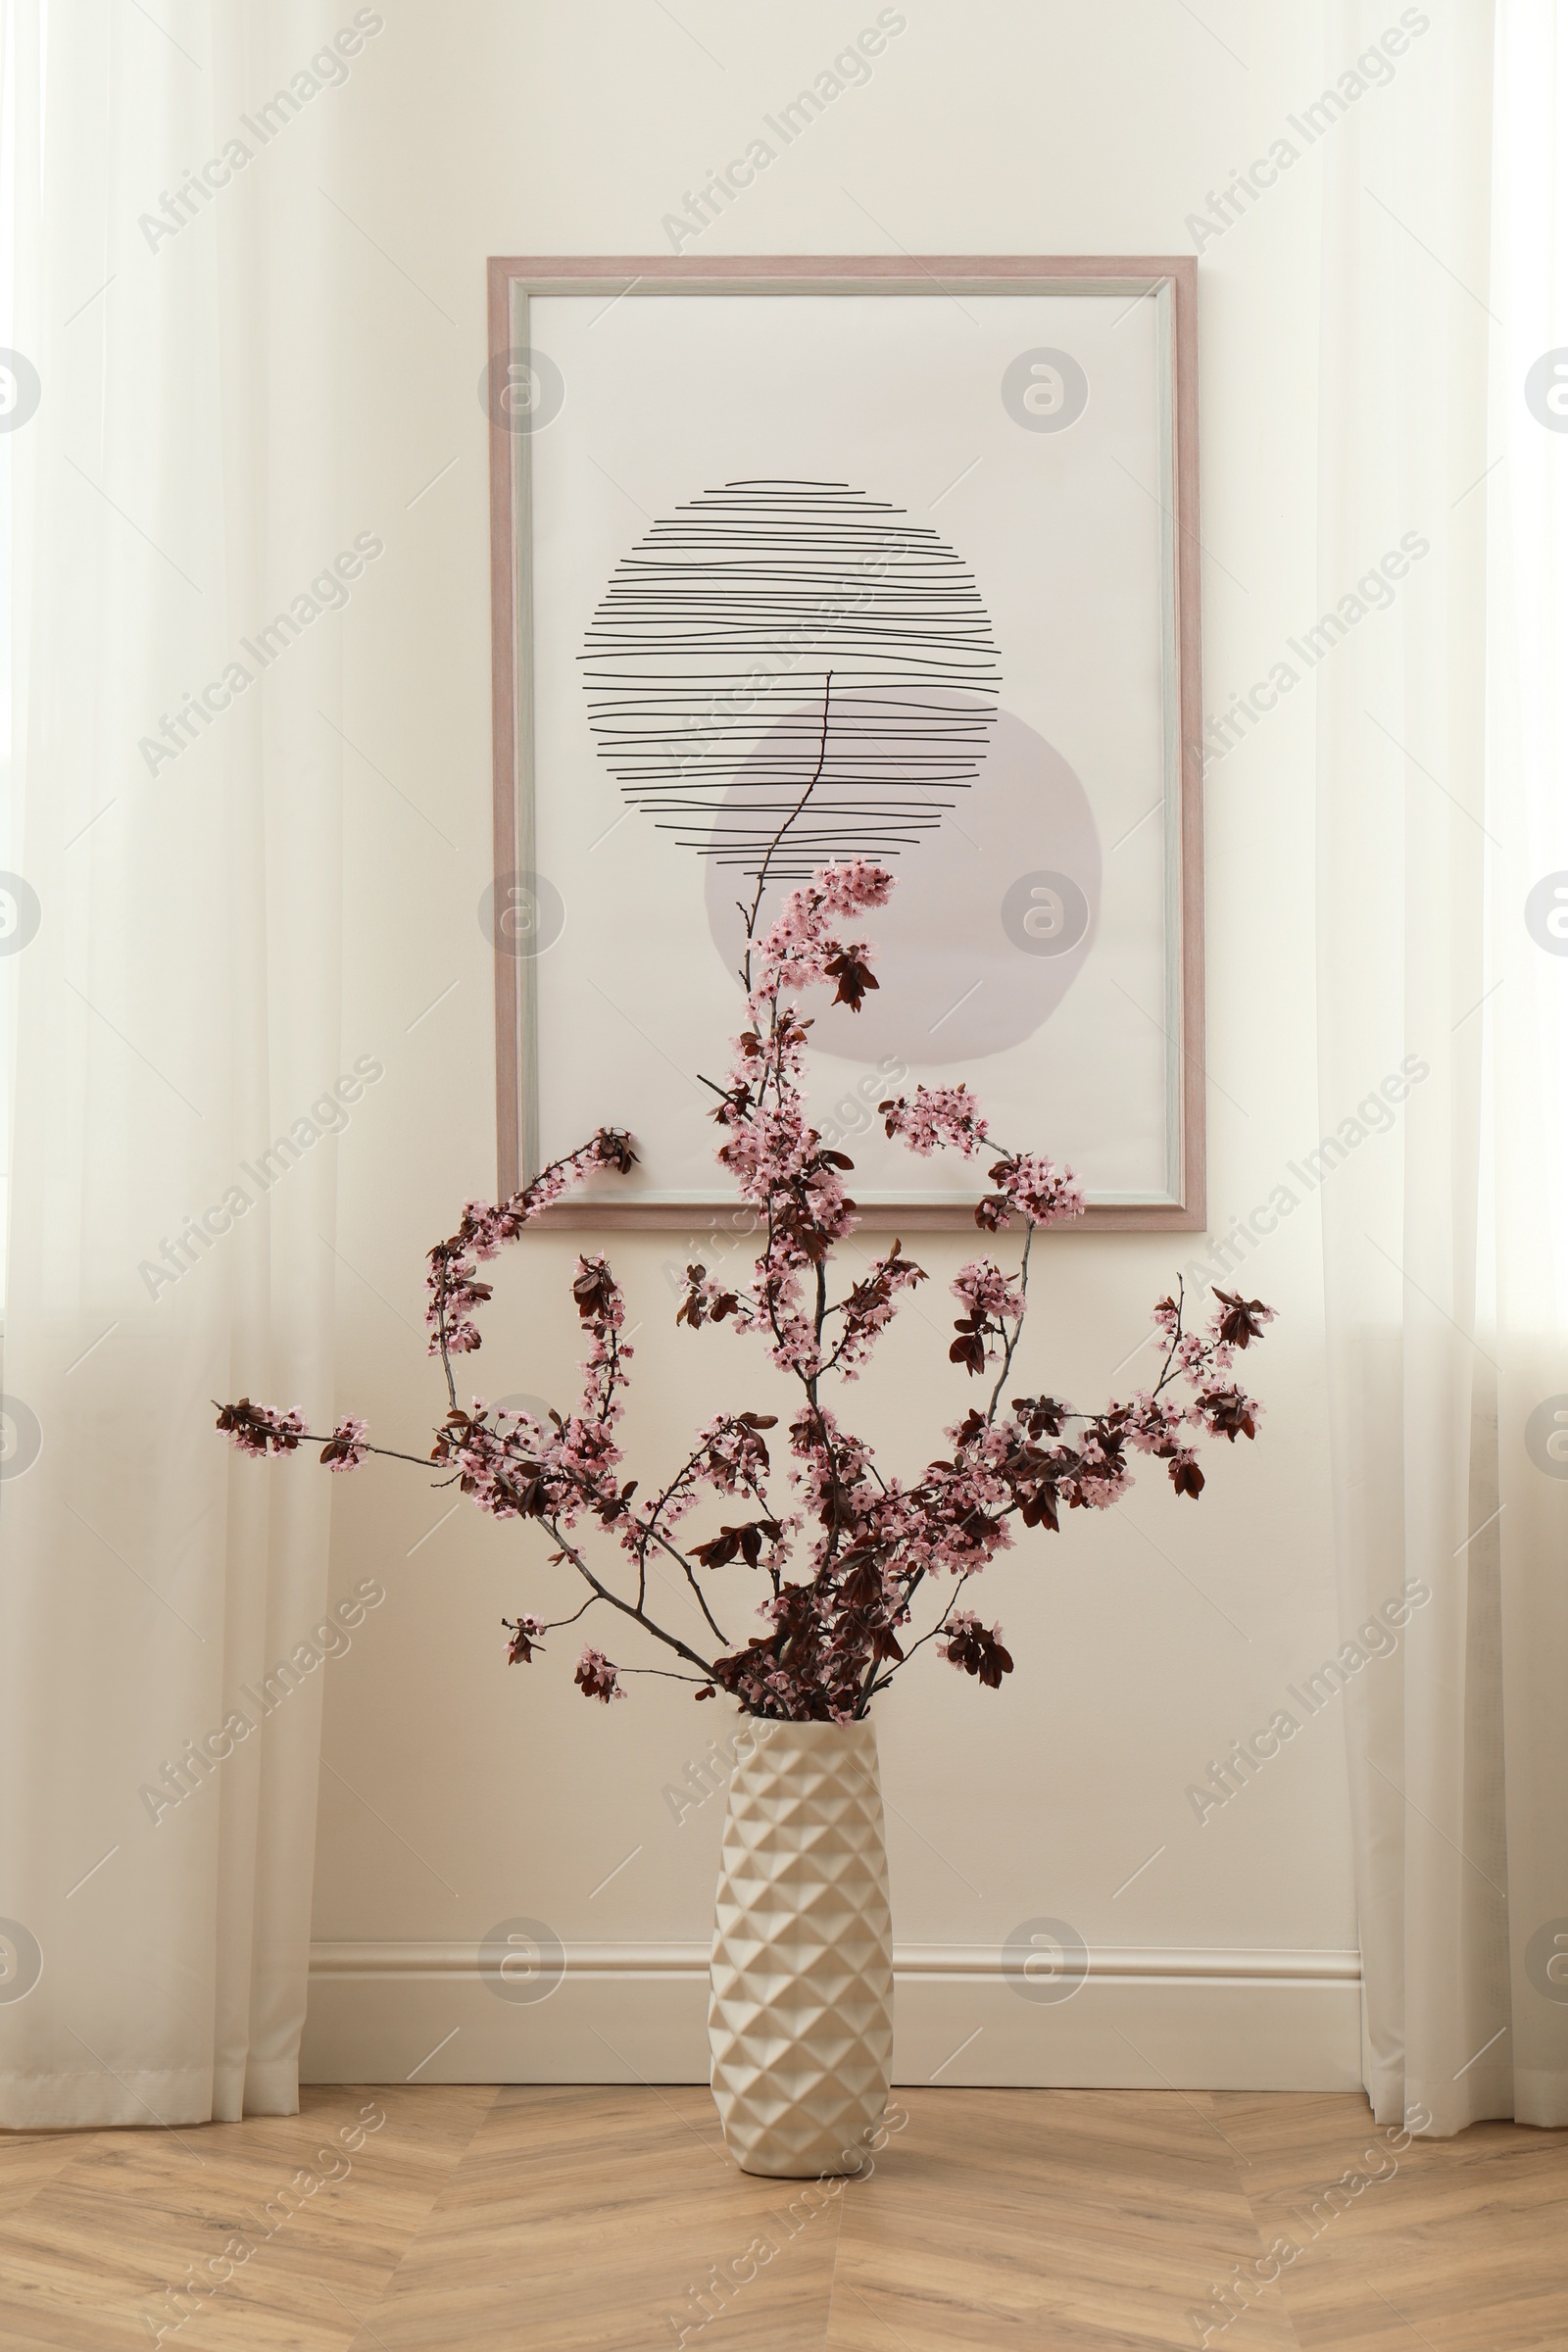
1240	1323
520	1648
853	976
980	1654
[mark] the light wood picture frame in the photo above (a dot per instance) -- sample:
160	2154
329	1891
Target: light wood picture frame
639	422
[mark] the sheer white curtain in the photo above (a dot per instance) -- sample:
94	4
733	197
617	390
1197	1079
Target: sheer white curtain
1444	995
172	966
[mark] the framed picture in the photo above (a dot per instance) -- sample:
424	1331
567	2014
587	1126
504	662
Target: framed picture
797	558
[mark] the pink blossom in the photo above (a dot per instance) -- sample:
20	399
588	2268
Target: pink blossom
1036	1188
985	1290
596	1678
345	1449
1153	1424
525	1632
453	1288
938	1115
259	1429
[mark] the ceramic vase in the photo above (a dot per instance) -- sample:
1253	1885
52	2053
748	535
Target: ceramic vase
800	2017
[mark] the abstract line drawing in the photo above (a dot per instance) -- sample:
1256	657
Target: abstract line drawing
816	551
706	662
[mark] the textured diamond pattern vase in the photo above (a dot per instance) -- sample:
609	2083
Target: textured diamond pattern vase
801	2014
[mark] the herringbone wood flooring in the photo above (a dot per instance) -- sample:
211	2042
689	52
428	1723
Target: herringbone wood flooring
1067	2221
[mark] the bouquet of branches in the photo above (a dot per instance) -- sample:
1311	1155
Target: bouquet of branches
843	1570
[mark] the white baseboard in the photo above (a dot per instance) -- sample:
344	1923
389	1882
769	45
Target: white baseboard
1186	2020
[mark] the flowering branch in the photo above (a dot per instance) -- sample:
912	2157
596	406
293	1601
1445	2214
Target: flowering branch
844	1561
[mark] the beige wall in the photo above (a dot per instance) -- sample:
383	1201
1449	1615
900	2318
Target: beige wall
1146	1640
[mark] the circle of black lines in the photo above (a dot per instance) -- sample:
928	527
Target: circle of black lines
522	390
796	655
1045	390
1045	913
1044	1960
521	914
522	1960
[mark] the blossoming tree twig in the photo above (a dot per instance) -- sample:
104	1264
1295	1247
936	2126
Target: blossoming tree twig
842	1563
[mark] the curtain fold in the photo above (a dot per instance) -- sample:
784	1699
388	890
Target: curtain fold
174	1009
1444	499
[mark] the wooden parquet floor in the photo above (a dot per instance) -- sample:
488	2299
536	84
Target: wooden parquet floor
413	2219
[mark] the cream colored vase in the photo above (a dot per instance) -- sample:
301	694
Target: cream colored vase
799	2019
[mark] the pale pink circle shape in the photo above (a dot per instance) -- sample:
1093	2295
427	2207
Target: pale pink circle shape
954	986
